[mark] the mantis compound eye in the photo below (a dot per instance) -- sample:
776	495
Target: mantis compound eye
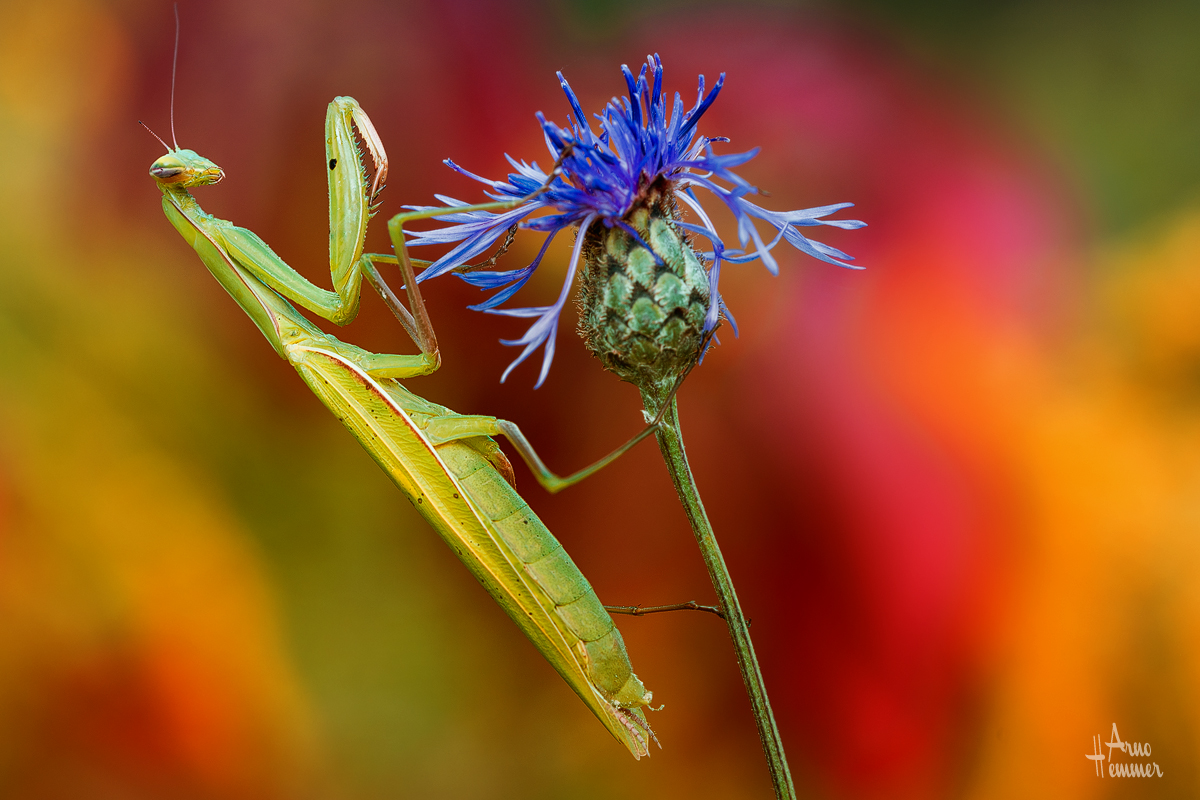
169	169
166	173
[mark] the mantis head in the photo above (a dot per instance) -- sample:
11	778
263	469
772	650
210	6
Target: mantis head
185	169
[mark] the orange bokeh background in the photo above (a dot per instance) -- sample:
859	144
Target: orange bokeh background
959	491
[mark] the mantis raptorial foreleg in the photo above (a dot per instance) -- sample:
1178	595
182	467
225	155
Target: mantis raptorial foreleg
351	204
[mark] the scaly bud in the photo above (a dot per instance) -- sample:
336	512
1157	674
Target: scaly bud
643	317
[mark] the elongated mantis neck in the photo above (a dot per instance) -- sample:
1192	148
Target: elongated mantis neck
183	198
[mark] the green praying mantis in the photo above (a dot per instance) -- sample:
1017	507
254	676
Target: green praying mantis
447	464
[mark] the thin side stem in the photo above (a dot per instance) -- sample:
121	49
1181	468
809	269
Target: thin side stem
670	441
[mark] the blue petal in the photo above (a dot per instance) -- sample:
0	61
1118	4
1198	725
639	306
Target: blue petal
600	177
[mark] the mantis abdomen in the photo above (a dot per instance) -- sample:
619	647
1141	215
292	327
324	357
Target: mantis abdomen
579	615
457	487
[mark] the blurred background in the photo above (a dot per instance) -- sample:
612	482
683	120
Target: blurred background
959	491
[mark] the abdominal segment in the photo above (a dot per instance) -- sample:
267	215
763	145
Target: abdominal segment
576	606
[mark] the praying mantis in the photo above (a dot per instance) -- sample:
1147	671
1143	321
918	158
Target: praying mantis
447	464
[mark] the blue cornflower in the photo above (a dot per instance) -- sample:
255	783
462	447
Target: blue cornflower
640	157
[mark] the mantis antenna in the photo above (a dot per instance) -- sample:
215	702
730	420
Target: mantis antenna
156	136
174	69
174	66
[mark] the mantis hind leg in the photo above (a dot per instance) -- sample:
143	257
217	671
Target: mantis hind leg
554	483
464	426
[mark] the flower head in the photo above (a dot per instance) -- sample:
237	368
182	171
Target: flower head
606	185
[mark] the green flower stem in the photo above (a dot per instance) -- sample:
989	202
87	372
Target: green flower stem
670	441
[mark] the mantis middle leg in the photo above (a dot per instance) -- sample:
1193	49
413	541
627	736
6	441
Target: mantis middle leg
462	426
